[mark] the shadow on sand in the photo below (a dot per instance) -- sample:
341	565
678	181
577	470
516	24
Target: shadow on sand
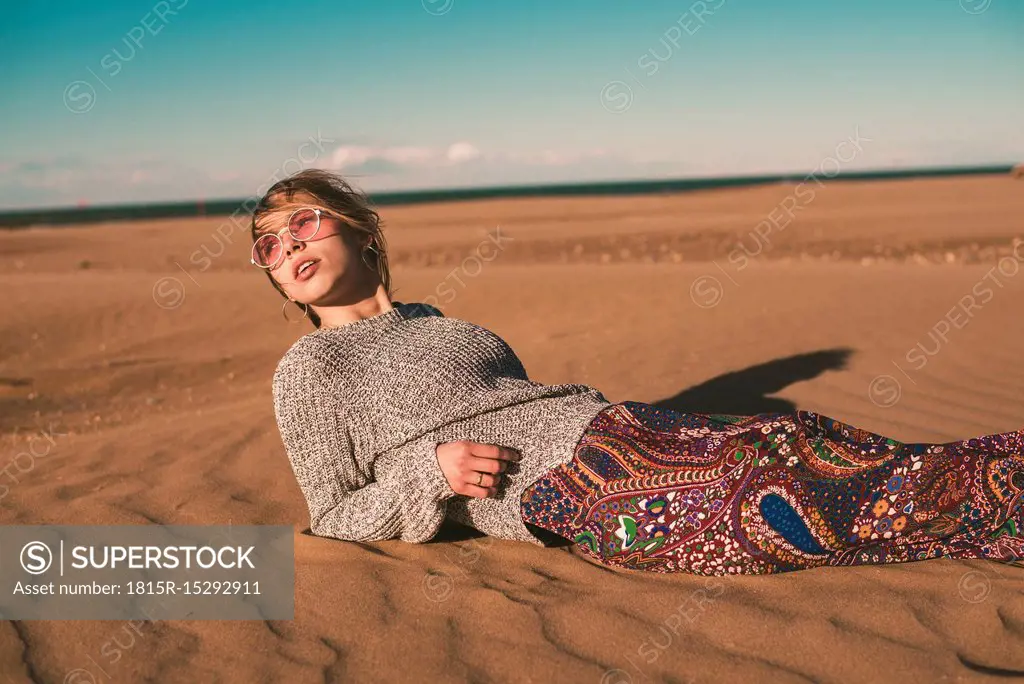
745	392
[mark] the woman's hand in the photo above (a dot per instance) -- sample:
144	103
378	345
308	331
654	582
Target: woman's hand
472	468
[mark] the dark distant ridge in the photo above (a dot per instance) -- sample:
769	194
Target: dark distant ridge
63	216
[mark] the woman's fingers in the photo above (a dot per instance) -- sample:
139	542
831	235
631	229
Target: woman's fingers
477	466
486	465
484	479
481	484
493	451
480	492
490	458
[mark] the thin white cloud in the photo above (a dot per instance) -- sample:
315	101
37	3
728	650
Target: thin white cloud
462	152
555	157
386	160
389	159
69	180
73	180
409	156
350	155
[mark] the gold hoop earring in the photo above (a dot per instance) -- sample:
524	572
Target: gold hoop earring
284	311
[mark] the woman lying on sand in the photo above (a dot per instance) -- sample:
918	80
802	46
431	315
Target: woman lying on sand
394	416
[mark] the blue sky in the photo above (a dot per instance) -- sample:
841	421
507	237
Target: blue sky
182	99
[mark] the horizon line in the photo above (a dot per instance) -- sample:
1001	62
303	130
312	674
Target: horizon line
72	215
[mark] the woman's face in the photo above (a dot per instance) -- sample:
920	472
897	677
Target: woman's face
337	270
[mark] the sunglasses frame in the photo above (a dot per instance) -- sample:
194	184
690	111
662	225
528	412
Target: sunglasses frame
277	236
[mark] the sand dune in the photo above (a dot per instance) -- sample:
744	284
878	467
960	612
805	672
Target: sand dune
149	348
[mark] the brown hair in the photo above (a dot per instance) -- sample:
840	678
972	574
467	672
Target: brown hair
336	197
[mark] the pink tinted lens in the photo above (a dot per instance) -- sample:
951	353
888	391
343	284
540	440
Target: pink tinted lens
266	250
304	224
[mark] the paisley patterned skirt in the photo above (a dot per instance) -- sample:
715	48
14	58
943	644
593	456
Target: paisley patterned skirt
654	489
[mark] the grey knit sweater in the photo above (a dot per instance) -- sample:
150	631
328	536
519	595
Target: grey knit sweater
362	407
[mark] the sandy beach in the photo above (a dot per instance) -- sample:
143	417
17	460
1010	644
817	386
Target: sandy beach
146	349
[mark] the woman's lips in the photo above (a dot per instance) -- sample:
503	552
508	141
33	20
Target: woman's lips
308	272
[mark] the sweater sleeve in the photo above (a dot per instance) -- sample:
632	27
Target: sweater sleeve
406	502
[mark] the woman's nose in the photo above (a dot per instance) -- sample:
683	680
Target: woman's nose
290	243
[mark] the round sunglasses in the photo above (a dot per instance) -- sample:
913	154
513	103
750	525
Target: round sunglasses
268	250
